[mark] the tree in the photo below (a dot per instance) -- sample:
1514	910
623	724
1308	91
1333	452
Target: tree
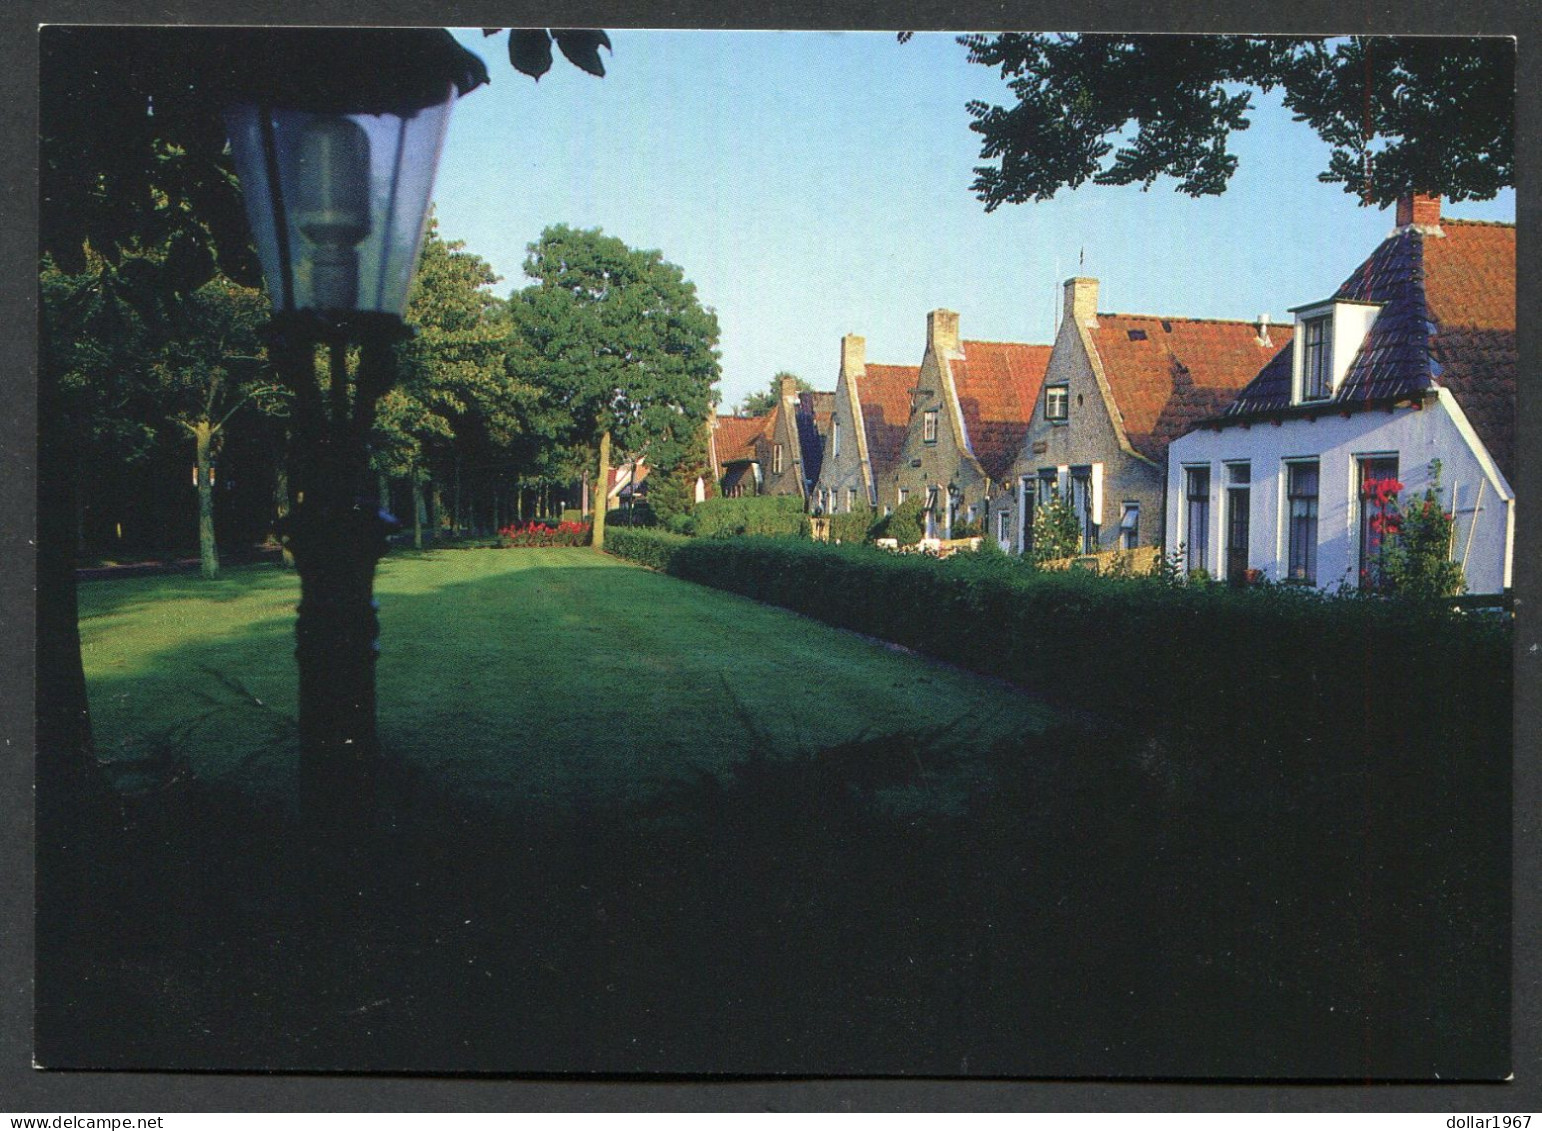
453	382
762	402
620	346
1057	532
1430	114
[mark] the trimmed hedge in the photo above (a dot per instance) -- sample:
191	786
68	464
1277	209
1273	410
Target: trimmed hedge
769	515
1196	656
652	548
853	526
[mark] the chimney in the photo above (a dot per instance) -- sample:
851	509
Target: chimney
1419	209
1081	300
853	356
942	331
789	387
1263	330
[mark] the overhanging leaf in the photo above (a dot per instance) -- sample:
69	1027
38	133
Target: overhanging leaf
582	48
530	51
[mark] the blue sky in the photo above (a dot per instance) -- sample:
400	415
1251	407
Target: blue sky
813	184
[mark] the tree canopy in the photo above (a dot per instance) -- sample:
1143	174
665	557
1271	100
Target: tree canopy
618	342
764	400
1400	114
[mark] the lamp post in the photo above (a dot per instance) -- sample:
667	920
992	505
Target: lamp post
335	134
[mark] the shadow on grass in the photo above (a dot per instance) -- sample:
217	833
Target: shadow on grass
1105	904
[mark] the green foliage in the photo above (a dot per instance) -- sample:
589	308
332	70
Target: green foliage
454	392
764	401
771	515
1057	530
1227	656
652	548
906	523
614	339
855	525
963	528
1399	113
1417	535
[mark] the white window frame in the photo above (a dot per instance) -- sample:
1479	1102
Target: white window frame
777	459
929	426
1057	403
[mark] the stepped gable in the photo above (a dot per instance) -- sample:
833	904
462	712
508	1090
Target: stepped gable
884	391
1167	374
998	387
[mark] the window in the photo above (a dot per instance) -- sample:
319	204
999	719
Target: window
1081	503
1196	494
1239	476
835	438
904	493
1374	470
1129	527
1316	360
851	499
1057	402
1301	499
929	426
776	460
1003	525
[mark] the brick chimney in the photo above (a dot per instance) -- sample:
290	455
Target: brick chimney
789	387
1419	209
1081	300
853	355
942	331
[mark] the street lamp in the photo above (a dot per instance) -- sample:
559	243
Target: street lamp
335	134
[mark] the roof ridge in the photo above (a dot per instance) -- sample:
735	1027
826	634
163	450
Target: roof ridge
999	342
1444	220
1185	318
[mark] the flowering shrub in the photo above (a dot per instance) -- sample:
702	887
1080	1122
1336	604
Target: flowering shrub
1409	543
1057	531
544	534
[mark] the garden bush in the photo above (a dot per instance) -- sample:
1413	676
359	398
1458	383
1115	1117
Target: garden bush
904	524
853	526
770	515
652	548
1244	660
544	534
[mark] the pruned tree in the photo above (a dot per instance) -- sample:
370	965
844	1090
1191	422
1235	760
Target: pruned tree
1400	113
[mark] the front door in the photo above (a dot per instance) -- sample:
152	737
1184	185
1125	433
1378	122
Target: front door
1238	516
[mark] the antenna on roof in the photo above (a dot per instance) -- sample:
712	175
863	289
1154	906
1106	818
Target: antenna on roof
1081	260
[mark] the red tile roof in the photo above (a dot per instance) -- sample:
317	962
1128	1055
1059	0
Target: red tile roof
885	394
1167	374
998	387
1469	288
1447	317
736	436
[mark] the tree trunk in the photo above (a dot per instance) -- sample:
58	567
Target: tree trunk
384	485
458	518
417	512
208	552
281	506
602	494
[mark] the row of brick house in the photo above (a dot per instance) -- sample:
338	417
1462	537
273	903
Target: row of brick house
1245	443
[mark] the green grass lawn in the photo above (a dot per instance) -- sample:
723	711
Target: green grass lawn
548	672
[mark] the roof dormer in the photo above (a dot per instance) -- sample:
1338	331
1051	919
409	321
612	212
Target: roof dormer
1328	335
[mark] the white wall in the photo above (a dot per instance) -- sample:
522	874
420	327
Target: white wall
1415	436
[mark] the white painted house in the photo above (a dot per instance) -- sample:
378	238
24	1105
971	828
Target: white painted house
1412	360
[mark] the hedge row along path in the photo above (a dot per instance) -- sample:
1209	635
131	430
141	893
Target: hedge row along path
550	672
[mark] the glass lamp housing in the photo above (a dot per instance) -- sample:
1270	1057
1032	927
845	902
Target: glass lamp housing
338	202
